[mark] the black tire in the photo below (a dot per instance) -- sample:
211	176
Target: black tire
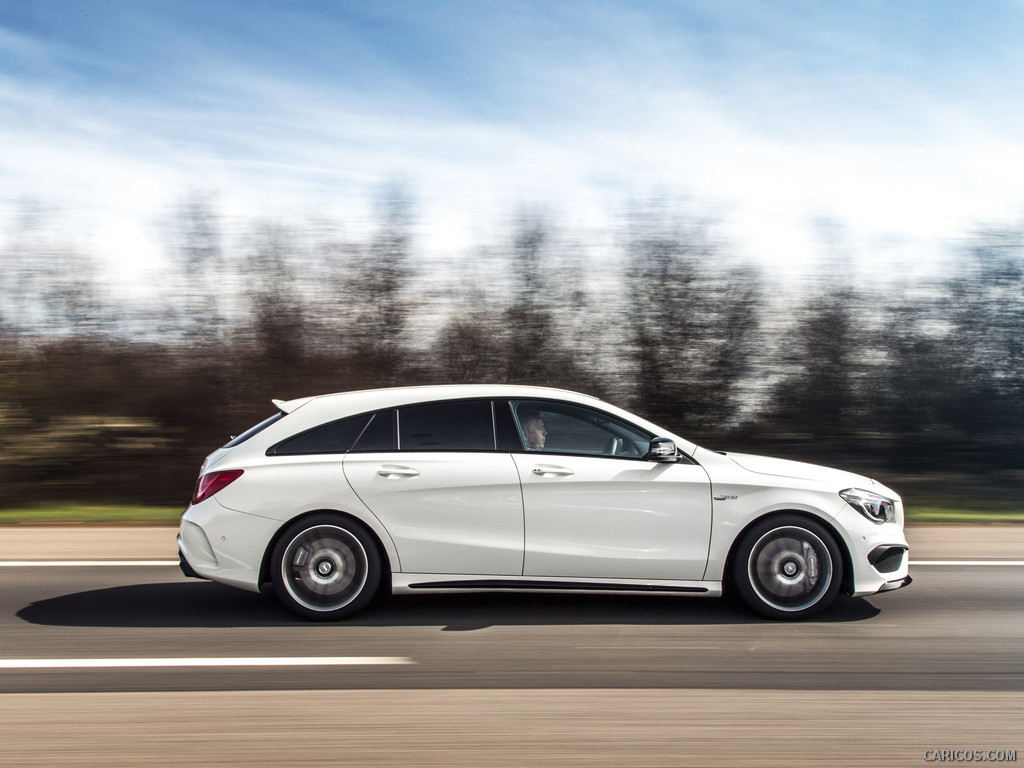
788	567
326	567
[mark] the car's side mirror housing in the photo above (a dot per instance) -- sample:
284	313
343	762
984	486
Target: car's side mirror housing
662	449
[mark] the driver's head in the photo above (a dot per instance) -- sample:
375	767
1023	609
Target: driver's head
534	432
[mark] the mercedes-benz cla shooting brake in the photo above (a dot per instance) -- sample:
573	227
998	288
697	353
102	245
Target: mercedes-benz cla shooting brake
431	489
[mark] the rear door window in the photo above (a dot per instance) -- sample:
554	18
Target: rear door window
379	434
458	425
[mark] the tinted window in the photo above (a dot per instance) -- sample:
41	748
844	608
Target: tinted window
254	430
464	425
336	437
506	433
575	429
379	434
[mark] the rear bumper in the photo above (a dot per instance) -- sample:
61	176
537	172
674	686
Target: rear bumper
187	569
223	545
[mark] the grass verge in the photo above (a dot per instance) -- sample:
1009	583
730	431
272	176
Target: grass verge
941	516
90	514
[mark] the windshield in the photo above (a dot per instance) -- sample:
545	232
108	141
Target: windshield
254	430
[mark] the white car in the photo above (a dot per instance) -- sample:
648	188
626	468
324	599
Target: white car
457	488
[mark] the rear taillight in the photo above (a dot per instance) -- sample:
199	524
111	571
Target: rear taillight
212	482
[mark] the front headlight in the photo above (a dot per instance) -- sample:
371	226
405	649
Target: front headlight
877	509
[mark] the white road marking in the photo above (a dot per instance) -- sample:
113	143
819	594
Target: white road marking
255	661
968	562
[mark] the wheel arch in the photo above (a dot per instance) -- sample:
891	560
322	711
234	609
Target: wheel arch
846	585
265	578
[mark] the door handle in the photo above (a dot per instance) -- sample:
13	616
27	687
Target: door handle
391	470
548	470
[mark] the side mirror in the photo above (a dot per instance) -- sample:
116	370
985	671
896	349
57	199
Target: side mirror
662	449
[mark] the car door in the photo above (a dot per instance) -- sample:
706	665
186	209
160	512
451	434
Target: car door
450	501
594	508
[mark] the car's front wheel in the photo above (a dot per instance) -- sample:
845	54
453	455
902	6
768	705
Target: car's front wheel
326	567
788	567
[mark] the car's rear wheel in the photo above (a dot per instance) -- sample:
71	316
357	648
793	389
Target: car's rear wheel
326	567
788	567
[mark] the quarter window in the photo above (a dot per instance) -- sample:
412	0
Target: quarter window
336	437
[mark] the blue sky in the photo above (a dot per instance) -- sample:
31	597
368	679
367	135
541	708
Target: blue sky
903	121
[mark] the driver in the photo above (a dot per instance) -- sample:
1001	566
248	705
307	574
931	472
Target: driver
534	432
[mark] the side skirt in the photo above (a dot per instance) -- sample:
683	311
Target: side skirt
407	583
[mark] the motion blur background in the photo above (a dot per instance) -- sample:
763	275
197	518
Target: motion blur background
781	227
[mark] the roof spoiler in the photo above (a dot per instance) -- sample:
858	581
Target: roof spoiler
287	406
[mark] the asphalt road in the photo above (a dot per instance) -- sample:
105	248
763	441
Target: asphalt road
508	679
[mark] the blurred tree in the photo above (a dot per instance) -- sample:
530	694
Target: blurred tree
914	382
987	295
929	374
529	317
49	285
197	251
826	355
378	292
986	314
468	350
278	311
544	323
693	319
950	390
520	312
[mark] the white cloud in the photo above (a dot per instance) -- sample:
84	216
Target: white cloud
628	108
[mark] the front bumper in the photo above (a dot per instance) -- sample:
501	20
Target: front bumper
889	586
879	554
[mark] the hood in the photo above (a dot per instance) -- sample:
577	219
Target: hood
765	465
